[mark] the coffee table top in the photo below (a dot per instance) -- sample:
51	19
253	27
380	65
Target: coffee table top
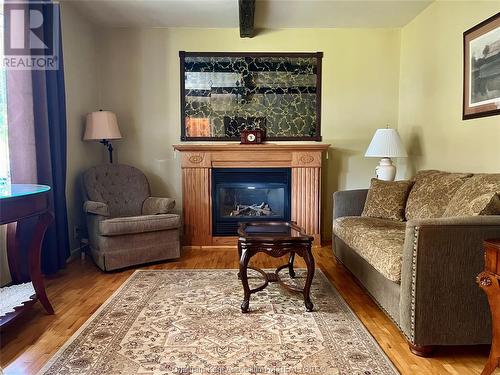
275	231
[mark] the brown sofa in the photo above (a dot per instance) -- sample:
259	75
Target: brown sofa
422	271
127	226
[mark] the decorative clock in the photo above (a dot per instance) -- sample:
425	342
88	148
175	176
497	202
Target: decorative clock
253	136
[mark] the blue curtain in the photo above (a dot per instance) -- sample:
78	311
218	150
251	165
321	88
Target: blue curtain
45	126
49	108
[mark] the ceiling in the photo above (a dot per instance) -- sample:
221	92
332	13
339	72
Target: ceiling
269	14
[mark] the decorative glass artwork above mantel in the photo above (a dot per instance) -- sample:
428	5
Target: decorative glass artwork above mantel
223	93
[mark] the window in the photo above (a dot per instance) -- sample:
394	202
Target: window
4	143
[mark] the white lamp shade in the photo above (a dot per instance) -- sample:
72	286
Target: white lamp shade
101	125
386	143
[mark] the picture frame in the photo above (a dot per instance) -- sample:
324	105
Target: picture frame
223	93
481	82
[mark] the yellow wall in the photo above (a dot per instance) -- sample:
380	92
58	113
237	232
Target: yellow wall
139	80
80	74
430	107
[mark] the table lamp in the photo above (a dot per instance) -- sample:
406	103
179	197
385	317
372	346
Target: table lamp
102	126
386	144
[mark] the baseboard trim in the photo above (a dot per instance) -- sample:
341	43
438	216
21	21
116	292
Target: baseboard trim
76	253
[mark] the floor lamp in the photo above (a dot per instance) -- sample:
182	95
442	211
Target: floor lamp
102	126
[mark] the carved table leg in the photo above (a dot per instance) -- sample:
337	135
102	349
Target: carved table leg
34	251
239	258
308	258
291	259
245	257
491	286
13	243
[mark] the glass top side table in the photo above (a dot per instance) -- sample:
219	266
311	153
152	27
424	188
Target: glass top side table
18	203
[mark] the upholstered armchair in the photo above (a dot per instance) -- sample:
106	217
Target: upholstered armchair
127	226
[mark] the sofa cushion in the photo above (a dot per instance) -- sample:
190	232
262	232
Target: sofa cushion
138	224
432	192
477	196
387	199
378	241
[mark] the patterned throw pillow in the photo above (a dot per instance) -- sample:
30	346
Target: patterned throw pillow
387	199
478	196
432	192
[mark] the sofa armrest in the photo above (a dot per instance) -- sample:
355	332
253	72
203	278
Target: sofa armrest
349	202
96	208
155	205
440	303
467	221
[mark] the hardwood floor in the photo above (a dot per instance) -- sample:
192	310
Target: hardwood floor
77	291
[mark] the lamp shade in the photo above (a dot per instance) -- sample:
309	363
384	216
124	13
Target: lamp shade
101	125
386	143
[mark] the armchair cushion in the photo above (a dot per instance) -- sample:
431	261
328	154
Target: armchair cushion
122	187
154	205
379	241
96	208
432	192
387	199
138	224
478	196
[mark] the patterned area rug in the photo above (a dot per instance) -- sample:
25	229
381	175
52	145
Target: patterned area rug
189	322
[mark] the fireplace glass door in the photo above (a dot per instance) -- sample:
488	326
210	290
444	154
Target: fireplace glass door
249	194
252	201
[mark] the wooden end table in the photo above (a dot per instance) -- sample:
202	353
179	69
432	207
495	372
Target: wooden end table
489	281
274	239
18	204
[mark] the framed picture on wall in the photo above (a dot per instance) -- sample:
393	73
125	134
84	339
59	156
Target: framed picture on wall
482	69
224	93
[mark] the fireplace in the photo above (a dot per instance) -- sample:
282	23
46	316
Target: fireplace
198	160
248	194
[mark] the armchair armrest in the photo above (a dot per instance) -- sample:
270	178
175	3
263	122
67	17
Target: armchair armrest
96	208
440	303
349	202
154	206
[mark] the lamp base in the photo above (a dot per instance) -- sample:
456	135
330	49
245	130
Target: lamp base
109	146
385	170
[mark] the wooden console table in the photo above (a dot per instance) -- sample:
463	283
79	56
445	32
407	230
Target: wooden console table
19	203
489	281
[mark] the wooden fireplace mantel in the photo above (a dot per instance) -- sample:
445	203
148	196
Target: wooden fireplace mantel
197	160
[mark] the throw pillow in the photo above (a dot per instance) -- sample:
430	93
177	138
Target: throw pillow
387	199
478	196
432	192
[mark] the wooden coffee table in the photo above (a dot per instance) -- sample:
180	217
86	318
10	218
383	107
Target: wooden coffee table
274	239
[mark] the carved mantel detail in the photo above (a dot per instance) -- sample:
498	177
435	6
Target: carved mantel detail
306	159
197	159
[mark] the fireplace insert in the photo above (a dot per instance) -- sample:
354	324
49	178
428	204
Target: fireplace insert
248	194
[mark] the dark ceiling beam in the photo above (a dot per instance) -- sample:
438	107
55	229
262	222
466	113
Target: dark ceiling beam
247	12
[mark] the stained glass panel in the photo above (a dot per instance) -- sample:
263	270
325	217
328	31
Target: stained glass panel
224	94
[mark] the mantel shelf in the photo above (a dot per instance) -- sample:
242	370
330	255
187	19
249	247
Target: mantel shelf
236	146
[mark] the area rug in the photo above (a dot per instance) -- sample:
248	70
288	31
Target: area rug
190	322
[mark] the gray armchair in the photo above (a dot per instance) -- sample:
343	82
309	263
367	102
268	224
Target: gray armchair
126	225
